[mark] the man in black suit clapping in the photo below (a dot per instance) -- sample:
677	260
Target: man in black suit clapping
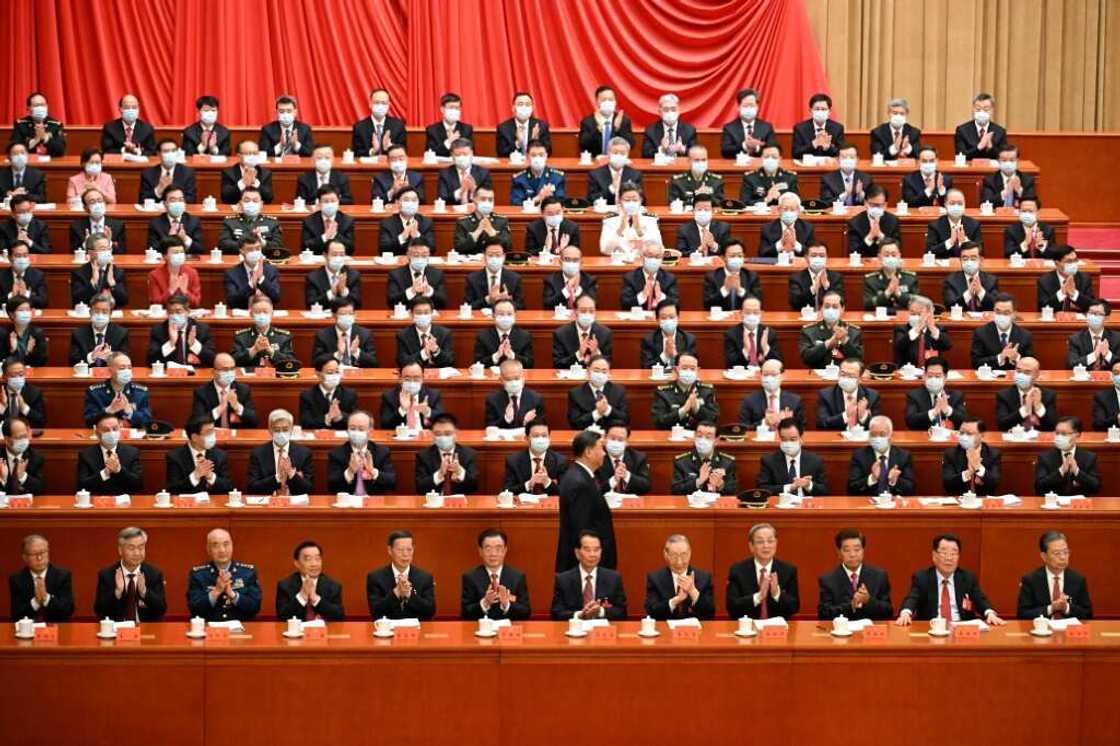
853	589
493	589
679	590
307	593
1054	590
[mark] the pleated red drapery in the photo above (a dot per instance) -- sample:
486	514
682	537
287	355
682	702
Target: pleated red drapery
331	53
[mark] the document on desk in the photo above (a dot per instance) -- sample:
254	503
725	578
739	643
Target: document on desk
774	621
683	623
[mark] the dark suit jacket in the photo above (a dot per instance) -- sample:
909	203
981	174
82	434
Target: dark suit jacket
106	604
159	228
36	357
181	176
536	235
966	140
486	344
582	507
1047	478
328	589
37	233
773	473
231	193
565	344
338	461
1034	595
408	347
634	282
112	136
36	481
476	582
860	226
659	589
753	409
581	405
955	285
262	470
805	131
735	339
800	293
919	402
637	464
688	236
311	232
651	141
307	186
389	412
924	598
477	288
326	345
192	136
497	401
313	407
830	407
519	470
599	182
449	182
82	289
270	138
1049	285
954	460
364	132
882	140
567	594
749	282
160	336
32	396
130	479
383	603
986	346
860	468
914	190
1014	235
205	399
34	183
653	344
382	186
742	584
180	464
733	136
906	349
317	283
771	234
400	280
58	584
1080	344
428	462
82	341
1008	402
435	134
1106	409
993	185
591	137
938	232
835	594
505	138
832	186
238	292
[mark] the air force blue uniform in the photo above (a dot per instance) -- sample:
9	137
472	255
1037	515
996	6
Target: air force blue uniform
526	186
100	395
247	598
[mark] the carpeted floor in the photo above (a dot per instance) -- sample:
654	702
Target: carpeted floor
1102	245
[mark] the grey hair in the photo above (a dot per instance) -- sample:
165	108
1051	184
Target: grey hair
280	415
113	357
881	419
900	102
674	538
618	141
31	539
668	98
923	301
131	532
104	298
758	527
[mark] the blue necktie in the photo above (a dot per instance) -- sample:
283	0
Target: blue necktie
792	475
606	135
884	475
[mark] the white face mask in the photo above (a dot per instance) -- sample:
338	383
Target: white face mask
570	269
322	165
982	117
704	446
751	320
880	443
875	212
770	384
606	107
790	447
537	163
553	221
286	119
703	217
967	441
670	117
817	263
380	110
927	168
1008	167
617	160
847	165
632	207
820	116
398	165
769	164
955	211
898	121
699	167
523	112
462	162
1003	321
331	380
451	116
1063	442
748	112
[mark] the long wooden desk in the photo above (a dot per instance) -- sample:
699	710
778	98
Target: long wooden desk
58	447
1020	686
1001	544
1049	336
1022	282
463	396
830	229
655	179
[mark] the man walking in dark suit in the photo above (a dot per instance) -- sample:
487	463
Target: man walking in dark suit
679	590
307	593
493	589
1054	590
582	505
945	590
853	589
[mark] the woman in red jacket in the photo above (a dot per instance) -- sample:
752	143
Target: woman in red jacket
174	277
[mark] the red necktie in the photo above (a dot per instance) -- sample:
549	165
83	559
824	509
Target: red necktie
132	599
588	590
763	612
1056	595
514	401
752	352
537	489
447	481
921	347
128	134
855	582
309	611
946	608
225	412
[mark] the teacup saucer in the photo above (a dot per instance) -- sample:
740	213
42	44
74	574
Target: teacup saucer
570	633
383	634
1044	506
741	633
107	635
196	635
886	506
1047	633
163	507
946	633
505	507
83	507
654	633
292	635
25	637
834	633
491	633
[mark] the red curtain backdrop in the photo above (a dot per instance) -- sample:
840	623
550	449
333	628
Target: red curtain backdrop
331	53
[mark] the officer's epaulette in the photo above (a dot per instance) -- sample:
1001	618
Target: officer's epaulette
520	173
727	455
666	386
281	331
557	171
717	176
140	386
686	454
681	176
812	325
93	386
247	565
243	331
611	214
196	568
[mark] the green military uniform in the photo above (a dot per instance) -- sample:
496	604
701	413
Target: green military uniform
757	184
668	400
815	354
237	226
686	186
875	290
686	470
465	243
23	131
243	341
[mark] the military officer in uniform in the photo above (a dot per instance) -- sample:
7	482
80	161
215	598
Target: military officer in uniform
473	232
41	134
769	182
250	220
262	343
704	468
222	588
831	339
891	286
686	401
119	395
697	179
539	180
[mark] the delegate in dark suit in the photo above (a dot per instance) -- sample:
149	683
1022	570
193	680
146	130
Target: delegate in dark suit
429	461
652	350
804	132
566	344
82	341
831	411
327	589
113	136
36	356
271	136
159	228
939	231
655	133
859	228
956	284
1080	345
954	462
486	344
420	604
599	182
325	346
636	463
307	186
476	582
688	235
32	181
192	138
238	291
1049	285
262	470
915	194
317	284
582	401
567	594
390	417
986	345
882	140
83	288
449	182
478	287
536	236
750	286
181	176
859	470
91	462
338	461
498	401
733	137
773	473
60	606
633	283
205	400
150	608
1009	401
436	134
993	184
582	507
801	289
771	236
312	231
1035	594
180	464
1015	235
400	281
1106	409
181	353
742	584
918	403
314	407
231	192
35	481
906	349
835	594
591	134
365	132
383	187
37	233
32	396
409	349
755	404
660	588
833	189
519	471
924	598
735	342
506	140
1048	476
966	139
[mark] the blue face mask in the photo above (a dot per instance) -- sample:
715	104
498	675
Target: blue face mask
251	209
110	439
262	320
687	376
669	326
880	443
281	439
1022	380
227	377
445	442
124	376
418	263
789	217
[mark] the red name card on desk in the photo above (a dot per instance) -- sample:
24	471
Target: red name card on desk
46	634
217	634
1078	632
604	634
104	501
876	633
455	502
373	501
510	634
774	633
280	501
21	501
315	633
966	633
687	634
128	634
182	501
406	634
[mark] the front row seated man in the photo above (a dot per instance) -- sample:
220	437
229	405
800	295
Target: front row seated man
588	590
762	586
400	589
223	589
945	590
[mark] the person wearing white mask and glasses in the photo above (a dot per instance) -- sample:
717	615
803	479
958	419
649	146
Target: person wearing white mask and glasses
198	465
971	465
881	466
205	136
921	337
22	468
848	404
1066	288
665	344
180	339
703	235
1001	342
746	133
504	340
607	122
18	398
286	135
417	278
537	469
378	133
583	339
410	403
21	279
552	230
322	175
97	223
606	181
787	234
668	136
1009	186
446	466
247	172
649	285
870	227
1096	347
728	286
176	221
344	340
771	404
808	286
697	180
155	181
1025	403
328	403
1067	469
93	342
518	133
492	283
128	134
631	227
280	466
425	342
600	401
399	232
928	186
360	466
896	138
388	185
971	288
980	137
